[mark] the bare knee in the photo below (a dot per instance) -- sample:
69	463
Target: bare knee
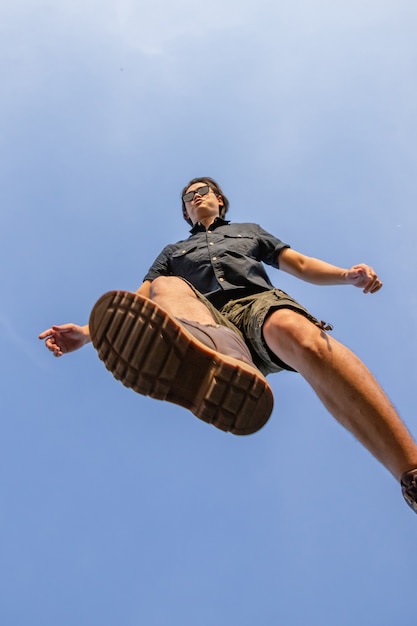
292	337
168	286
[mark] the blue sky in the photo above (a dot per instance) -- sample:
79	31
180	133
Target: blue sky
117	509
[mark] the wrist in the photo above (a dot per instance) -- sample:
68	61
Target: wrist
345	276
86	332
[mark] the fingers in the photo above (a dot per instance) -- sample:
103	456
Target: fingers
46	333
54	330
373	287
366	277
52	345
52	338
372	282
63	328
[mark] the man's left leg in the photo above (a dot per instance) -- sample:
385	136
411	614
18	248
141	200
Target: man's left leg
348	390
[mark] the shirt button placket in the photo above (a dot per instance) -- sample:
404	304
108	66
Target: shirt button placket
216	268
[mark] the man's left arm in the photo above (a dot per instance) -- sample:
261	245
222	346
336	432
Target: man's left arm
321	273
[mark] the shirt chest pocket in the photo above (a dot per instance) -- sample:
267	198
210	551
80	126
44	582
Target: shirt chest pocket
183	252
241	245
185	259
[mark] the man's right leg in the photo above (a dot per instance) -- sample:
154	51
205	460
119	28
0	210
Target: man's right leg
179	300
193	362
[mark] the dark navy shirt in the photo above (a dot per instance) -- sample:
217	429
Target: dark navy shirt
223	262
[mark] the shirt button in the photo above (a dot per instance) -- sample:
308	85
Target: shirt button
211	243
214	258
221	279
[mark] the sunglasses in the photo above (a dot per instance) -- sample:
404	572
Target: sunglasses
190	195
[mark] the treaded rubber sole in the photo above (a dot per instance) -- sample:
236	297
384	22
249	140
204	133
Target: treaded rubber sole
148	351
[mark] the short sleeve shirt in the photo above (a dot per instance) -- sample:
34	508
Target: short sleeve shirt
223	262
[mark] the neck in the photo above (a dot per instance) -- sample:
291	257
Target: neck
207	221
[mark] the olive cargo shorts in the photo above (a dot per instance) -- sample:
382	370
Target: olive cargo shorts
248	314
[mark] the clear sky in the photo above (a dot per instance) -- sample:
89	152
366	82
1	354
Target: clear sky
120	510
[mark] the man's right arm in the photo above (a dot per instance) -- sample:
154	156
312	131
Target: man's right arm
65	338
70	337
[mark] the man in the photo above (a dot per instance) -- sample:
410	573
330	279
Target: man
207	324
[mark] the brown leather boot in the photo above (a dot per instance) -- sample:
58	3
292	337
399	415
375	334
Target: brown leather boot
206	369
219	338
409	488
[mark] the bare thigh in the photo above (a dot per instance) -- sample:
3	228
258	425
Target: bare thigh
179	300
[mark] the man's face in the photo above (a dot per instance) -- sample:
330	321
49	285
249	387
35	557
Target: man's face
203	205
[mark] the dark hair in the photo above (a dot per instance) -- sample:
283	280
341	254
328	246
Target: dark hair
214	186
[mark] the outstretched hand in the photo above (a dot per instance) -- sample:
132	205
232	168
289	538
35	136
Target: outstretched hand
365	277
65	338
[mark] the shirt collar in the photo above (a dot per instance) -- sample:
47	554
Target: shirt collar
199	227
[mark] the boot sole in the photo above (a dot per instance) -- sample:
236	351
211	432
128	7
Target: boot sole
149	352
